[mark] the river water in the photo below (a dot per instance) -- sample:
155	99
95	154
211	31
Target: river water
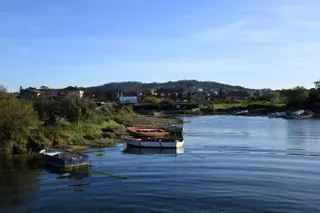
228	164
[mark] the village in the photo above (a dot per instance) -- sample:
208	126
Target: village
170	100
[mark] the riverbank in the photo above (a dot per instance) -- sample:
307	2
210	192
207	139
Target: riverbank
255	108
112	131
29	126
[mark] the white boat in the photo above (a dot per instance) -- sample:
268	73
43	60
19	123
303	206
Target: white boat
277	115
240	112
155	142
300	114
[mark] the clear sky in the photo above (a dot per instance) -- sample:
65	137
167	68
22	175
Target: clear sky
253	43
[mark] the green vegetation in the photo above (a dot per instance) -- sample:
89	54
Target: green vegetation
152	99
296	98
317	84
184	84
18	120
27	126
297	95
244	104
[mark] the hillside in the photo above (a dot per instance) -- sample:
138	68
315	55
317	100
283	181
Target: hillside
185	84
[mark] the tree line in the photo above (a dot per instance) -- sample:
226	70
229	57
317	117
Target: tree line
28	126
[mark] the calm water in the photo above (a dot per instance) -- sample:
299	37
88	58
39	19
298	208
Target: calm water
229	164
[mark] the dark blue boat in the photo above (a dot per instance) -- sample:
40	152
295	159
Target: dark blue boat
65	158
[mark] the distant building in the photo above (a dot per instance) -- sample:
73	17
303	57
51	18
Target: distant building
48	93
30	94
128	98
238	96
70	92
265	92
170	93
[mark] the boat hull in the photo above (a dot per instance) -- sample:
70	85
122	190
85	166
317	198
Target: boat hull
176	130
66	163
300	114
154	144
300	117
152	151
69	160
277	115
239	113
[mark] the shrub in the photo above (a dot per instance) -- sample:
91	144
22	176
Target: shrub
18	120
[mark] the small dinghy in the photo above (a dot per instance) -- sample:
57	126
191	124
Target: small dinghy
155	142
64	158
240	112
277	115
147	131
300	114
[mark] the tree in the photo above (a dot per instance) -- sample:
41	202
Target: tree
297	95
314	96
3	89
274	96
317	84
17	121
168	104
44	87
152	99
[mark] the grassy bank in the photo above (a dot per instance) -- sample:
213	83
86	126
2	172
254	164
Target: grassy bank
262	108
245	104
28	127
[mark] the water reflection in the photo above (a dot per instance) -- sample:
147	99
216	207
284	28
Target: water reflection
76	173
302	133
152	151
18	179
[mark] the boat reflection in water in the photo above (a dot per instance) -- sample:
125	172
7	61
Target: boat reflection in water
76	173
152	151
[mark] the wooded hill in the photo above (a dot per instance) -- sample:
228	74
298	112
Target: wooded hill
184	84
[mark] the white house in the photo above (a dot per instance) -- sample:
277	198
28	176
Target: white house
128	98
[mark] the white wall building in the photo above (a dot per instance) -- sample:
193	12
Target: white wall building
128	98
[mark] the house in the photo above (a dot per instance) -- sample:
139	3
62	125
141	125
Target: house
48	93
238	96
30	94
128	97
170	93
103	96
70	92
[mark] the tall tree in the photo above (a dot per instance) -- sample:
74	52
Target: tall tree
3	88
3	91
297	95
17	120
317	84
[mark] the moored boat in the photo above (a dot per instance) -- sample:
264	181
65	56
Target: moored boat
152	151
300	114
147	131
64	158
155	142
240	112
155	131
277	115
176	129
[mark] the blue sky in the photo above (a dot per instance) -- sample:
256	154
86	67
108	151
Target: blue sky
257	44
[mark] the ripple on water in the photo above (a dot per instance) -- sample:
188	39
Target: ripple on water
229	164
